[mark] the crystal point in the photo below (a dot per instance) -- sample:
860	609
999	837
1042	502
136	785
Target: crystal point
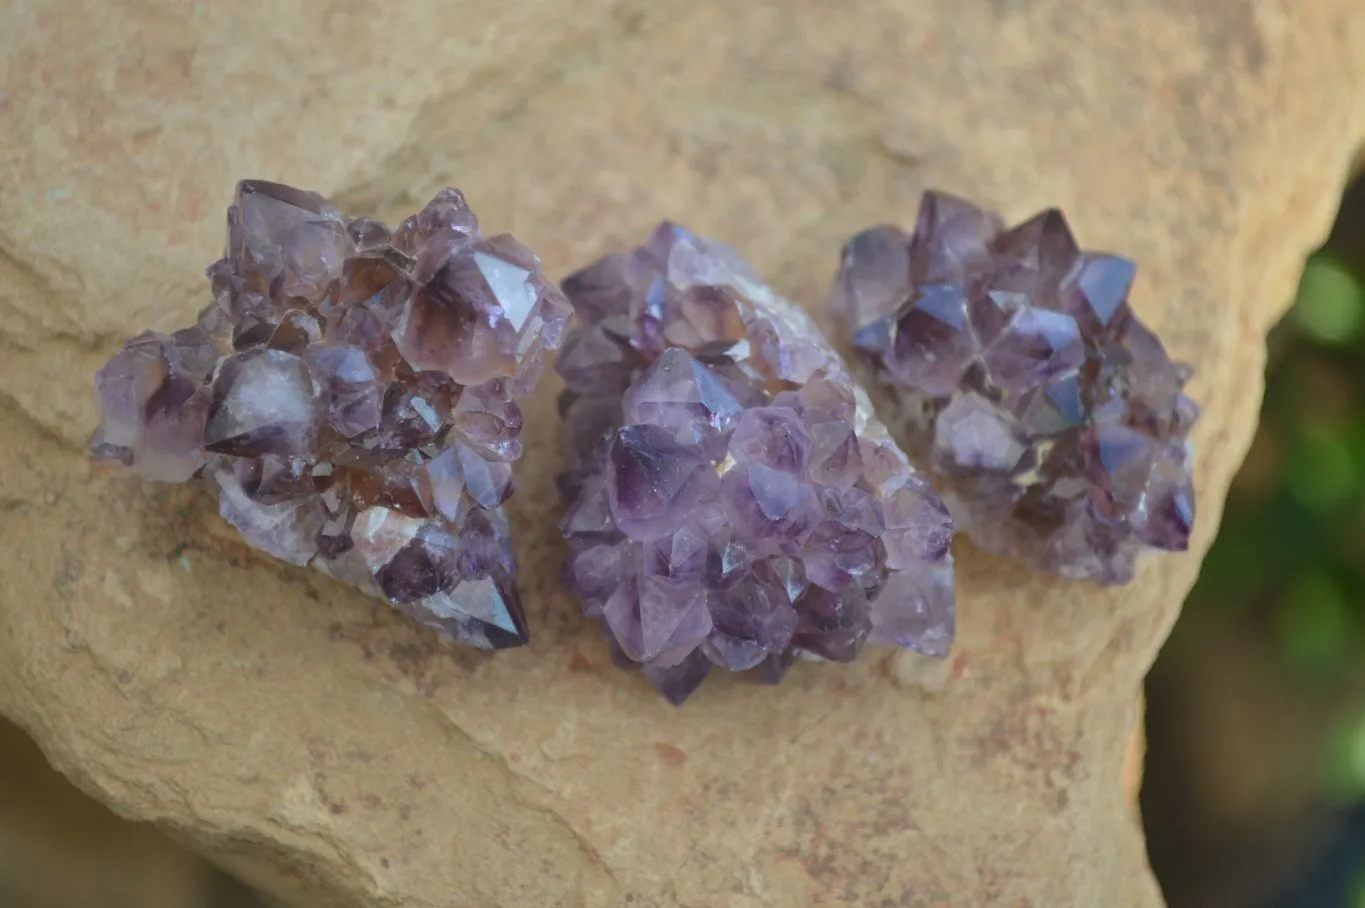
732	502
1054	415
351	397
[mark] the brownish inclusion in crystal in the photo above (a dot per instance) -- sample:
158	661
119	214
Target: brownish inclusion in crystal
351	397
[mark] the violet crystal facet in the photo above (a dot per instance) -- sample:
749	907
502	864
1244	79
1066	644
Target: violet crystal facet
731	500
1016	369
351	397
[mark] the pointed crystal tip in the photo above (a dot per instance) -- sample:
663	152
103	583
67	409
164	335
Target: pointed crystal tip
351	397
732	501
1028	384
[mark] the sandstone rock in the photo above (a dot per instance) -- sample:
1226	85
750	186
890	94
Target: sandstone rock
301	734
59	849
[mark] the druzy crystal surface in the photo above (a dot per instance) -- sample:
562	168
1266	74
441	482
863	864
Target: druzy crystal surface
351	397
731	501
1017	370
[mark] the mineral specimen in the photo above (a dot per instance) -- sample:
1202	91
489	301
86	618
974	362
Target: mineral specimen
1019	373
732	501
350	395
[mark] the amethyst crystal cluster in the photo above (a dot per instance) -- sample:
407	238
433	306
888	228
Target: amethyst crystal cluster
351	396
1022	377
732	501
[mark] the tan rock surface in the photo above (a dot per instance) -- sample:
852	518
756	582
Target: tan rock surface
59	849
307	736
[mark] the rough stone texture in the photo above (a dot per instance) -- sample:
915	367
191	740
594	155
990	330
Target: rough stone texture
60	849
300	733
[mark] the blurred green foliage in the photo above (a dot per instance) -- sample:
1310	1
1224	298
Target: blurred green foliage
1331	301
1292	543
1291	550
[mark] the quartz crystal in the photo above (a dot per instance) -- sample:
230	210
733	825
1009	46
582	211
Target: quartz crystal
351	397
731	500
1017	370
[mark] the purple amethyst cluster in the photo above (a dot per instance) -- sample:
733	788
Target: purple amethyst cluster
1018	372
351	395
732	501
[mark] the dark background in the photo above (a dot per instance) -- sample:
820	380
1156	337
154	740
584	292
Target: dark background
1255	789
